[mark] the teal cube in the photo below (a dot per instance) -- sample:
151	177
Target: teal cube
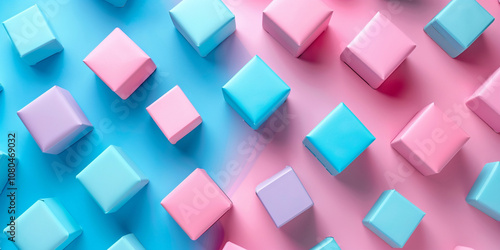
327	244
127	242
484	194
393	218
117	3
458	25
112	179
255	92
339	139
31	35
204	23
46	225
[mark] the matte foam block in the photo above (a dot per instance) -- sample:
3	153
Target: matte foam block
484	193
174	114
295	24
46	225
338	139
127	242
284	196
196	203
377	51
117	3
231	246
462	248
32	36
204	23
485	102
255	92
120	63
430	140
327	244
458	25
393	218
55	120
112	179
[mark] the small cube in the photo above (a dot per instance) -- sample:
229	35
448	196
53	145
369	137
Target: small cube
127	242
430	140
55	120
484	193
393	218
120	63
174	114
231	246
44	225
255	92
377	51
339	139
204	23
117	3
327	244
462	248
295	24
32	36
284	196
197	203
112	179
458	25
485	102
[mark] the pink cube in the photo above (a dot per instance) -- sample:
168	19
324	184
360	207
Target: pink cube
120	63
231	246
430	140
485	102
295	24
197	203
463	248
174	114
377	50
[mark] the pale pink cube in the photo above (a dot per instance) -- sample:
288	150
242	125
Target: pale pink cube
295	24
377	51
174	114
463	248
485	102
197	203
231	246
120	63
430	140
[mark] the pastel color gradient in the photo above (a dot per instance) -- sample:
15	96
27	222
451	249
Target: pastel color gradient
327	244
485	102
484	193
127	242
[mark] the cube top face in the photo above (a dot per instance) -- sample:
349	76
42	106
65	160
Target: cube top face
174	114
338	139
127	242
327	244
255	92
231	246
284	196
393	218
484	193
485	102
196	203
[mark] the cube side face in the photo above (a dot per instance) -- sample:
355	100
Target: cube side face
117	3
327	244
484	193
231	246
484	101
360	68
443	39
128	242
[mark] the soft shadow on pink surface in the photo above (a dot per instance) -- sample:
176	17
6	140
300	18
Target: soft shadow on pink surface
398	81
322	48
358	176
302	229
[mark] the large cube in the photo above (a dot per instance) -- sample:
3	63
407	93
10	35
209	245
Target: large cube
55	120
127	242
204	23
295	24
174	114
46	225
284	196
458	25
120	63
327	244
485	102
393	218
430	140
255	92
197	203
378	50
231	246
32	36
339	139
117	3
484	193
112	179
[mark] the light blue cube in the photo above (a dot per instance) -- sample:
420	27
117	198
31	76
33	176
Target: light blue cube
204	23
46	225
127	242
327	244
112	179
458	25
339	139
255	92
31	35
393	218
117	3
485	193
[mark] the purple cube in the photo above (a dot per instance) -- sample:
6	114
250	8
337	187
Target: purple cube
55	120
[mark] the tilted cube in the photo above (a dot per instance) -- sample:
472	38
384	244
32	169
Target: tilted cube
231	246
127	242
327	244
485	102
484	193
117	3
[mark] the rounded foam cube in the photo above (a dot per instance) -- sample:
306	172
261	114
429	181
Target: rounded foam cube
484	193
127	242
485	102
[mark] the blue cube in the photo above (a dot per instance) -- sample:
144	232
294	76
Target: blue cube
255	92
204	23
112	179
44	225
117	3
484	194
128	242
31	35
339	139
393	218
458	25
327	244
